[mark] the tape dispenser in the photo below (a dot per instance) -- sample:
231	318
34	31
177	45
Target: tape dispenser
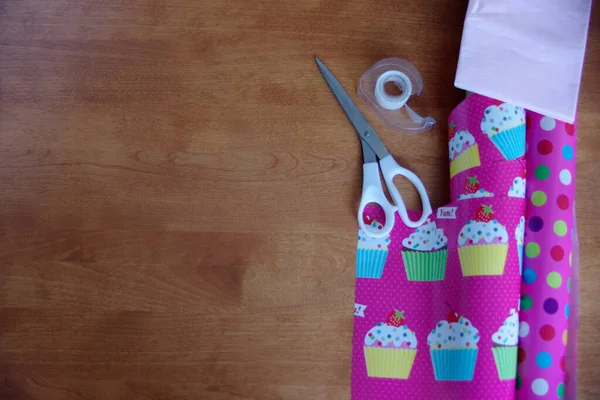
392	110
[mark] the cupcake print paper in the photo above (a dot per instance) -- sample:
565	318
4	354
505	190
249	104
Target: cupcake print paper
505	346
504	124
371	253
390	348
483	244
463	151
425	253
439	301
453	349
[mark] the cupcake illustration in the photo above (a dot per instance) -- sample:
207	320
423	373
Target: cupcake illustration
473	190
390	348
504	124
519	237
453	348
505	346
371	253
425	253
517	188
483	244
463	152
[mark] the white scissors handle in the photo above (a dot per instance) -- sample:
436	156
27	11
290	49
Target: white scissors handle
373	193
390	169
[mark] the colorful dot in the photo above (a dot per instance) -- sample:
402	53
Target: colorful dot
536	224
529	276
567	311
565	337
544	147
550	305
557	253
563	363
570	129
565	177
532	250
543	359
527	302
538	198
539	387
569	285
560	228
547	123
560	391
563	202
554	280
521	355
523	329
519	382
547	332
567	152
542	172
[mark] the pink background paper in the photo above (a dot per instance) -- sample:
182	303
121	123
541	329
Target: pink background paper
485	300
525	52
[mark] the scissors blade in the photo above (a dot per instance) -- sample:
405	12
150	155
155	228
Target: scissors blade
361	125
369	155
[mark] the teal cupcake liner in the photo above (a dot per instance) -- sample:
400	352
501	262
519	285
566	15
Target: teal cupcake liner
453	364
520	250
511	142
370	263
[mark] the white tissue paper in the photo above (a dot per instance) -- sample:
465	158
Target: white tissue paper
525	52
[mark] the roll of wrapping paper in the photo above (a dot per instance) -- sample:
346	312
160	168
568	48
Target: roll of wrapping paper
550	237
436	306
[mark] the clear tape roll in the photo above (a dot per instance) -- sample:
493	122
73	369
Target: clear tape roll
392	110
390	102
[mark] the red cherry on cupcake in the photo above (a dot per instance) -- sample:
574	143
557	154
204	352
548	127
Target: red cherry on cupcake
523	173
395	318
453	315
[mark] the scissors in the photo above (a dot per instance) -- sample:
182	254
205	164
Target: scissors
374	149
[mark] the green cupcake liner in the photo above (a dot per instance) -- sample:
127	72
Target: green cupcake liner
425	266
506	361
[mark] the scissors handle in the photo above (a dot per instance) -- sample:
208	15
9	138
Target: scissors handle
390	169
373	193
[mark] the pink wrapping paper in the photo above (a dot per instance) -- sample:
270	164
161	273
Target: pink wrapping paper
547	273
436	309
405	297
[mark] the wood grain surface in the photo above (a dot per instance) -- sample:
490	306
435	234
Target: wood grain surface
178	191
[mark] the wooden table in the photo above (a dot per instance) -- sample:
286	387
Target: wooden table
178	191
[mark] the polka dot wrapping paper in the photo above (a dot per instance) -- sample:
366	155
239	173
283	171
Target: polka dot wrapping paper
548	282
439	310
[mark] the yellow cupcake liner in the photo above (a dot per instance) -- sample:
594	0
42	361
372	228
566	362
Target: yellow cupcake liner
466	160
483	259
389	363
